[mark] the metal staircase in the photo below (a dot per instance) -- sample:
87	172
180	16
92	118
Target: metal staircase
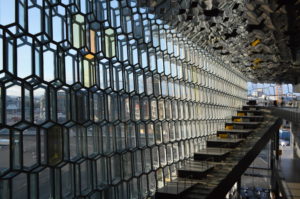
202	175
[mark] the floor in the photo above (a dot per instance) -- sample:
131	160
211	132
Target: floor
289	165
290	172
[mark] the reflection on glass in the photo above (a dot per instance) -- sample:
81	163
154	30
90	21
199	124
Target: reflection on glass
13	104
120	137
122	47
102	175
75	142
127	167
78	30
4	150
150	134
40	105
115	164
131	135
110	48
66	181
29	147
44	184
19	186
54	145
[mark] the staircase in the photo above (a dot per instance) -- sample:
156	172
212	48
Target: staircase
218	149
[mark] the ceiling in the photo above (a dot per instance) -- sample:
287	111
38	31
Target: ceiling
259	37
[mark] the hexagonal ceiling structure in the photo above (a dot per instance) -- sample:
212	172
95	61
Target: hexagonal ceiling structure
259	37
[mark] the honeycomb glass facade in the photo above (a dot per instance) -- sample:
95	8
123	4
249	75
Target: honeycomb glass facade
101	99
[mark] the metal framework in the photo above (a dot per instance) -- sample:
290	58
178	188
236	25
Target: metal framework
100	99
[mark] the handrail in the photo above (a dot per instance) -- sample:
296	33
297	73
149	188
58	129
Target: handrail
290	114
230	171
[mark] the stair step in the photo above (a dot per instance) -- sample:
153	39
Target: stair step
174	190
223	142
212	154
252	107
255	118
249	112
239	133
242	125
195	170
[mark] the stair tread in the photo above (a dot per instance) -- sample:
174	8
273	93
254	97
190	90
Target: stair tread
244	123
236	130
175	188
196	168
253	111
254	106
250	116
225	140
213	151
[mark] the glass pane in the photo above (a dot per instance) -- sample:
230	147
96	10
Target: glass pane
110	49
7	12
13	104
4	149
30	147
54	143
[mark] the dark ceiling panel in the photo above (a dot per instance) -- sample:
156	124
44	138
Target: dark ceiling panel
259	37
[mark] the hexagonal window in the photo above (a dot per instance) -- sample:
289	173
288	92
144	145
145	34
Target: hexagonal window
102	176
70	62
63	105
92	140
49	62
108	138
13	104
44	181
140	87
24	57
120	137
145	108
117	76
54	145
30	148
7	12
122	48
5	145
131	139
75	134
127	165
78	29
129	79
19	186
104	74
110	43
40	104
58	14
82	106
115	171
112	107
34	20
125	108
98	108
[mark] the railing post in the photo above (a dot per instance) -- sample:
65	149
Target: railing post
274	162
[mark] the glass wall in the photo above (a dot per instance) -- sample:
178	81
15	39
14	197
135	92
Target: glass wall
273	94
100	99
